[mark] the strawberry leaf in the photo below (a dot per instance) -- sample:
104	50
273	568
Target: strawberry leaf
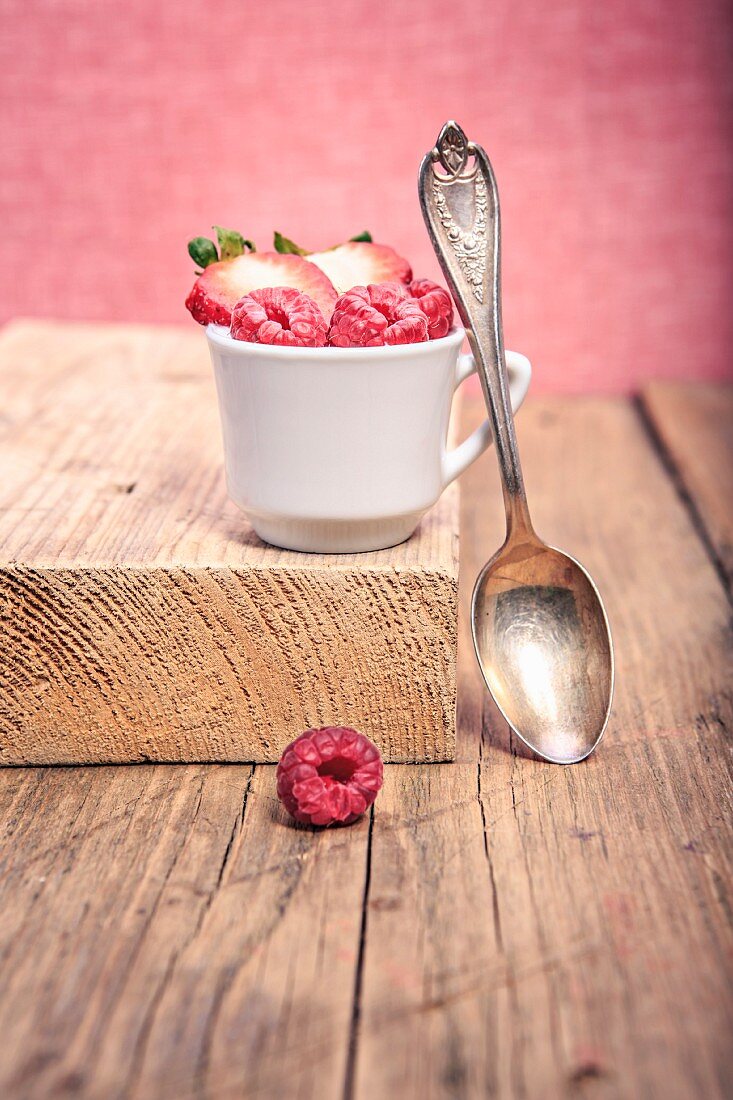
231	243
202	251
287	247
365	236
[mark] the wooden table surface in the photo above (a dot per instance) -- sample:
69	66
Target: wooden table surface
498	926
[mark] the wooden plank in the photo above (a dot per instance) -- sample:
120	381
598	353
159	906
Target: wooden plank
528	929
166	933
92	859
545	931
261	1002
694	426
145	619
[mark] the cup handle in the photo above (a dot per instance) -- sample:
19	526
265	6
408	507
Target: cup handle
520	373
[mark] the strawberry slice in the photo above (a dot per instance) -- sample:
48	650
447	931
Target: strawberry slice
357	263
220	286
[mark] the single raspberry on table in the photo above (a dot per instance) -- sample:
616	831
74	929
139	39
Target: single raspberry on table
381	313
279	315
437	305
329	776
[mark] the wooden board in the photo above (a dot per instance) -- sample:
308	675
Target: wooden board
569	927
188	969
693	425
145	620
499	927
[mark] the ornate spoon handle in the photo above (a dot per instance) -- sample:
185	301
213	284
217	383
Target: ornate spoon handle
460	206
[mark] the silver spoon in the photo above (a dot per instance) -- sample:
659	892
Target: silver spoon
540	630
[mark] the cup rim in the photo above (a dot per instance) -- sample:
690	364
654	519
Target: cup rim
219	335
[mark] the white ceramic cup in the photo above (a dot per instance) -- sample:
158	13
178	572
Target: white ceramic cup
339	450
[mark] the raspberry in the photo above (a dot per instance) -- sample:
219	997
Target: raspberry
279	315
437	305
381	313
329	776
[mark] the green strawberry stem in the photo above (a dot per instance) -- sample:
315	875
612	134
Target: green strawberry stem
287	247
202	251
231	244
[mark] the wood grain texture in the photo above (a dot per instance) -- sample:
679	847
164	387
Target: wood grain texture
543	931
499	928
693	425
187	970
144	618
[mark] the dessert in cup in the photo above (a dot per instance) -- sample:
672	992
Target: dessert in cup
335	373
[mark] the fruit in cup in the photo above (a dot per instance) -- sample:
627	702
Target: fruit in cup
437	305
364	292
221	285
357	262
370	316
279	315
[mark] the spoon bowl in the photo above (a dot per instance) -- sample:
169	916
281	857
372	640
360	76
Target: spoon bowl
543	645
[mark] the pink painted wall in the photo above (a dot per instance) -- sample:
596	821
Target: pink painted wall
130	125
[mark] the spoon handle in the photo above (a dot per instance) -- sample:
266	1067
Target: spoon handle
460	206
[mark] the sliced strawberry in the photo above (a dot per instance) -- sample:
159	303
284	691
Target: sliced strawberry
218	289
357	263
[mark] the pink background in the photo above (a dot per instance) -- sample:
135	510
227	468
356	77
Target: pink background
130	126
